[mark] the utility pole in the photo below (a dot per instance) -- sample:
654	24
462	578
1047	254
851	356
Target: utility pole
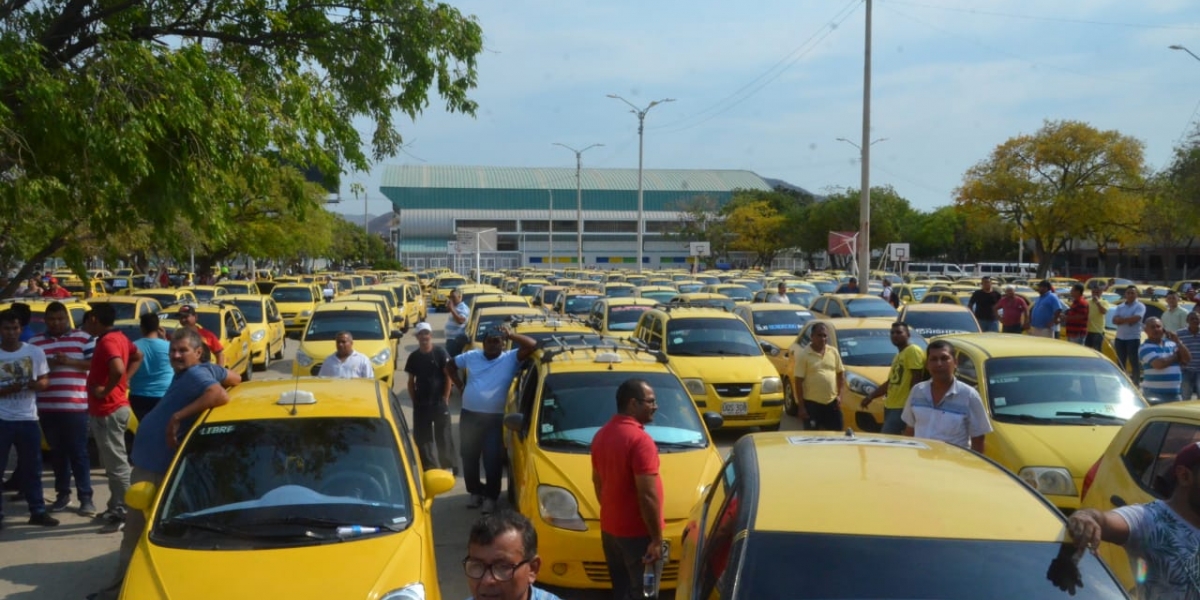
578	199
356	189
550	231
864	201
641	115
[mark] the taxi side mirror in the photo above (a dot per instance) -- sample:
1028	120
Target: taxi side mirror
437	482
515	422
395	334
713	421
140	496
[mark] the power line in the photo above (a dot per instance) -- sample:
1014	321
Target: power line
988	13
766	77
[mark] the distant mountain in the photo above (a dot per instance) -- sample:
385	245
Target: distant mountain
781	184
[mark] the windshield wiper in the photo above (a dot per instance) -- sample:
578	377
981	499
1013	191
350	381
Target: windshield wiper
1087	414
210	526
680	444
330	523
1023	417
564	442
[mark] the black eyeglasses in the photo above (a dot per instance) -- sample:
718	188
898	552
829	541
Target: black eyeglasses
500	571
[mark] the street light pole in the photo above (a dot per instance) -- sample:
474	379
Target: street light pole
578	198
641	115
1178	47
550	235
478	265
864	201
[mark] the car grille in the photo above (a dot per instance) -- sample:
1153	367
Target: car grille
598	571
733	390
746	417
287	315
315	369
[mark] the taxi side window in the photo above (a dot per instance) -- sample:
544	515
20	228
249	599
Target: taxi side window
966	369
819	305
720	518
833	308
230	324
529	387
1151	456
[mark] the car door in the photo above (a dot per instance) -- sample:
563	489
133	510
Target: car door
709	537
275	329
520	443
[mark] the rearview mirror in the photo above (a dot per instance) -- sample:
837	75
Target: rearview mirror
140	496
515	422
713	421
437	482
395	334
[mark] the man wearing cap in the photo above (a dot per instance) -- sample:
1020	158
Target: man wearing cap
429	388
346	362
1161	538
1013	311
56	291
187	318
481	422
1046	311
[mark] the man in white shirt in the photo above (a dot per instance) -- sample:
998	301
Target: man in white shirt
944	408
780	296
347	363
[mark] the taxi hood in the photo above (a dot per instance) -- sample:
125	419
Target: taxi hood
364	568
683	475
1075	447
724	369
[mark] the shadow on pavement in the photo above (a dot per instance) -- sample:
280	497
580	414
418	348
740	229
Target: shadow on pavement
58	579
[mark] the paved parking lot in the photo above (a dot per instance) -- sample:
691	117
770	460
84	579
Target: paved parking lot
71	560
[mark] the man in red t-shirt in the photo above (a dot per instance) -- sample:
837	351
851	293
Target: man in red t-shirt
55	290
1077	316
108	405
187	318
628	485
1013	311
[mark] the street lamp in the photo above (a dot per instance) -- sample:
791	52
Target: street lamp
578	198
641	115
1178	47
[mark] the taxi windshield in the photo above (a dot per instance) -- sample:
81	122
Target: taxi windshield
575	405
283	481
549	296
252	310
739	292
580	304
1054	389
660	296
869	307
292	294
918	293
931	323
780	322
324	326
871	347
450	283
164	299
203	295
710	337
625	317
620	291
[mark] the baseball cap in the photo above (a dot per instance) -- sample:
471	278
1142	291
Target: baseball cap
53	280
424	328
186	310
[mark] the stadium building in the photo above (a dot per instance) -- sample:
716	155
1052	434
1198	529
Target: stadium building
525	205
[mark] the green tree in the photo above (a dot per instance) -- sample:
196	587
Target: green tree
1047	182
115	114
700	220
756	227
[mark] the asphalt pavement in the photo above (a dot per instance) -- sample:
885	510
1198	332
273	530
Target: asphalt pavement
69	561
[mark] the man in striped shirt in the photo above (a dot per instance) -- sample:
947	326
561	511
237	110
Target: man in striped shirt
1161	356
63	408
1190	337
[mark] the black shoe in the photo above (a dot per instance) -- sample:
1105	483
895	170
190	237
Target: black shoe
11	485
60	504
43	519
113	525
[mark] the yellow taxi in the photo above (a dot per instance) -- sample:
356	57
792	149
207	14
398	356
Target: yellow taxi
658	293
129	307
37	309
206	293
617	316
529	287
483	319
551	417
229	325
619	289
929	320
721	363
167	297
239	287
366	322
84	290
703	299
1134	468
549	327
388	293
575	302
852	305
319	486
865	345
776	327
296	303
547	295
412	303
440	286
739	293
1054	406
759	521
910	293
265	323
490	300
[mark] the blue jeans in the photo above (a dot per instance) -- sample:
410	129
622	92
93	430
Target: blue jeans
989	325
625	567
26	436
1191	384
67	434
481	436
892	423
1127	353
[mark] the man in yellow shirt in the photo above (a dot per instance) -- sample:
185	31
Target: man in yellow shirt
1095	327
818	378
908	369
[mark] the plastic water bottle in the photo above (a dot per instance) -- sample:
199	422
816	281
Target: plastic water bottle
356	530
650	581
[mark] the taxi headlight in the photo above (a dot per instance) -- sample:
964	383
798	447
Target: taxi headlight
412	591
859	385
303	359
559	508
770	348
695	387
1055	481
381	359
306	313
258	336
771	385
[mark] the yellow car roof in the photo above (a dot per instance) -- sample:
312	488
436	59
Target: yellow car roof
933	307
815	482
849	323
776	306
333	398
628	301
1001	345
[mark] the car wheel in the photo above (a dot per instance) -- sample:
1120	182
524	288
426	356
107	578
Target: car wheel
789	400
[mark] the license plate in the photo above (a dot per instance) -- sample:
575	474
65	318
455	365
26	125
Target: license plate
734	408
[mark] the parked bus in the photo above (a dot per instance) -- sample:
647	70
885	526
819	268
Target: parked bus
1005	270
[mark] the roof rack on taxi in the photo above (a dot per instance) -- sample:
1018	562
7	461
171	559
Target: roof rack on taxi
556	345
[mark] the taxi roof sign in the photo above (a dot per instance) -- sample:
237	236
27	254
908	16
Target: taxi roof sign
294	397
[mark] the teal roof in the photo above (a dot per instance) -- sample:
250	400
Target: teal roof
522	178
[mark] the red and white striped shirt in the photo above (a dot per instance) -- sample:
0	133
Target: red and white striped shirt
68	385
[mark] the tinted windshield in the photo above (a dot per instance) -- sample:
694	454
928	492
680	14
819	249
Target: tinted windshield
663	296
252	310
164	299
292	294
738	293
620	291
125	310
489	321
780	322
202	295
883	568
238	287
753	286
450	282
710	337
825	286
579	305
625	318
361	324
210	321
549	296
689	288
930	324
724	303
871	347
1047	386
870	307
272	482
575	405
530	289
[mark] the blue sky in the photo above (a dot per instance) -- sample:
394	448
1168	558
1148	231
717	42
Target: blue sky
770	85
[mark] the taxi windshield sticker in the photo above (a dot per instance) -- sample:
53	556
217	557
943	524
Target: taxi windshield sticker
841	440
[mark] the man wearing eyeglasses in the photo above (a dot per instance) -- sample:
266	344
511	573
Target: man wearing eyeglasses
502	560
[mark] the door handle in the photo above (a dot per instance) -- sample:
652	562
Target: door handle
1117	500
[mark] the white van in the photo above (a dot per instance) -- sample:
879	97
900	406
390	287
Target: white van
947	269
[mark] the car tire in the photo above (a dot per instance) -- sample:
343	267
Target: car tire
790	406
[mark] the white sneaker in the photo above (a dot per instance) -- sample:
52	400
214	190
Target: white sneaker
489	506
